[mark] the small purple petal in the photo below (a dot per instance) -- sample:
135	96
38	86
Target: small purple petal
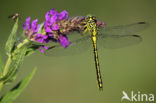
28	19
50	35
42	38
37	28
53	12
53	19
41	50
28	23
47	17
33	24
24	26
55	27
63	15
45	36
47	29
64	41
46	24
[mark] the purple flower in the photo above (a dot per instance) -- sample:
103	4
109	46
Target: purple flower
50	25
52	17
51	30
64	41
32	32
31	26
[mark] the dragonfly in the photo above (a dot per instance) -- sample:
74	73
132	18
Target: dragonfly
91	27
106	37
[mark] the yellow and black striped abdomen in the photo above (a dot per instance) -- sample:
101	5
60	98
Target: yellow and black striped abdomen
97	65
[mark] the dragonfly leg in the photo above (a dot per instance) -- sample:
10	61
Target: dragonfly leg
85	30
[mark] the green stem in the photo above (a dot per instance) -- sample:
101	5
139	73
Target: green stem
22	43
25	41
1	85
5	71
6	68
9	61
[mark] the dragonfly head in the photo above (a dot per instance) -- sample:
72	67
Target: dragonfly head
90	18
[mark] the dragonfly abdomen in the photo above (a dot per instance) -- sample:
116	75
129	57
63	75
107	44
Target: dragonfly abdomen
97	65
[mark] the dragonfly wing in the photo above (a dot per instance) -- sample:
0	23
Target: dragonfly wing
118	41
121	36
79	44
129	29
109	37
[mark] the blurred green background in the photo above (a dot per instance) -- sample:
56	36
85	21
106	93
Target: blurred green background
72	79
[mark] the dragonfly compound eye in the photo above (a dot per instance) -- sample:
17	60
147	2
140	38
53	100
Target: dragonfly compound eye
94	17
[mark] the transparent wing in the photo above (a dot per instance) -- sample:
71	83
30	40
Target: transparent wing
129	29
79	44
108	37
121	36
118	41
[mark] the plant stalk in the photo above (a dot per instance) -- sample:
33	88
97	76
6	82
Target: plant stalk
7	65
9	61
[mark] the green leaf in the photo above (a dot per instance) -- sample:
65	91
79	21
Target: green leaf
18	59
32	49
12	39
16	90
1	65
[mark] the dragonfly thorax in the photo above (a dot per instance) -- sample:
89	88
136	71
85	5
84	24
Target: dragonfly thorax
90	25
